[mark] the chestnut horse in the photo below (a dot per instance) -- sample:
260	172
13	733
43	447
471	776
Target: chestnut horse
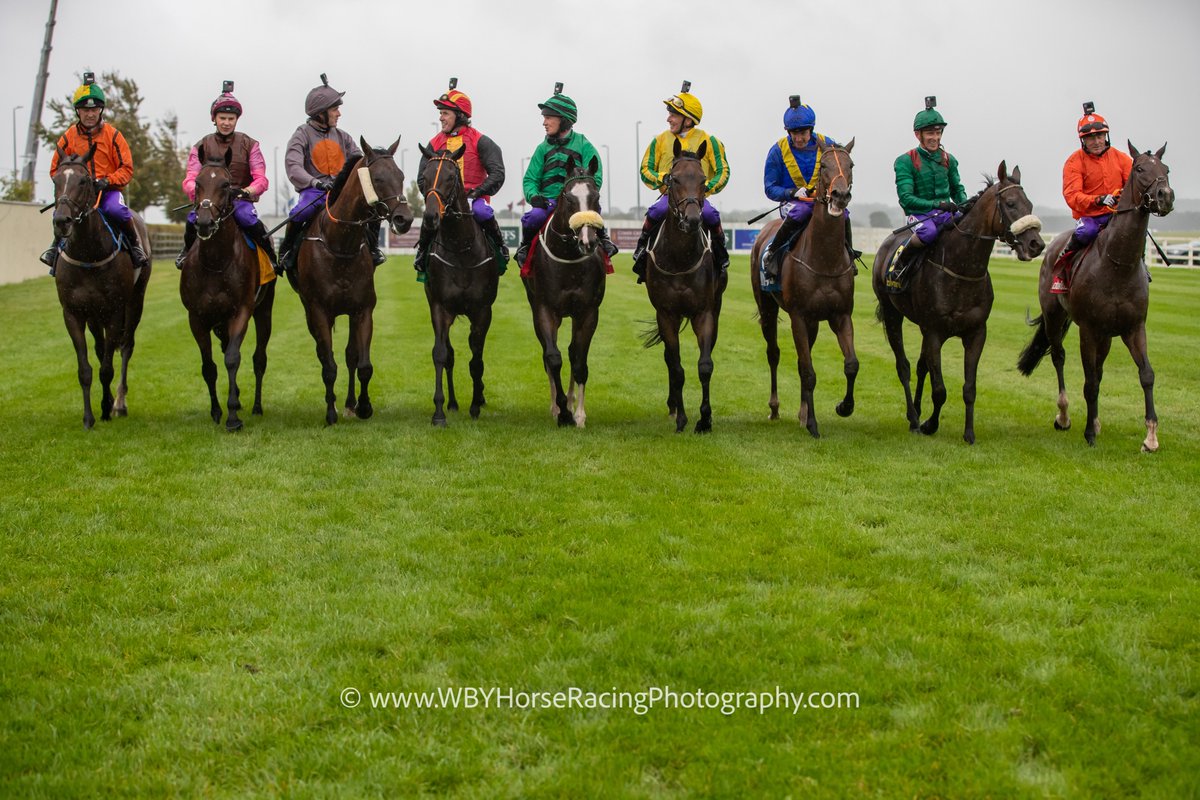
951	294
567	279
98	287
219	286
462	278
335	274
683	283
1108	296
817	285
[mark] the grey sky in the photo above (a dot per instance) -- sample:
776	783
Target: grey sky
1009	77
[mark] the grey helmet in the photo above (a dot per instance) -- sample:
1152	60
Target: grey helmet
322	98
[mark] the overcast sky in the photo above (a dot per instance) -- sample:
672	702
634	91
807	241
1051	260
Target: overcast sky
1009	76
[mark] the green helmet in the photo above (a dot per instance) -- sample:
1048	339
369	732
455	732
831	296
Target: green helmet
926	118
559	105
89	95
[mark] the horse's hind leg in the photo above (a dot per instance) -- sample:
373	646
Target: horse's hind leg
931	361
705	327
972	350
768	323
1136	342
78	333
1093	349
208	369
583	328
804	333
843	328
108	344
321	328
893	327
262	335
1055	323
479	329
362	330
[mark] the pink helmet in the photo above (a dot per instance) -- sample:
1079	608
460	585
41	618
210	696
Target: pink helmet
226	102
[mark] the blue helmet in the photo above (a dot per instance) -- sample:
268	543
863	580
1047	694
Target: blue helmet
798	115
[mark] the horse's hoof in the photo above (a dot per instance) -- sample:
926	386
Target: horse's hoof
452	405
814	433
844	409
1148	449
929	428
349	411
704	426
365	410
1058	426
121	412
438	422
233	425
256	411
969	437
88	423
331	416
216	416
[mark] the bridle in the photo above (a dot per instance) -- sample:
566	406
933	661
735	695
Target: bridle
834	150
1149	201
679	209
380	209
83	209
571	236
445	203
1009	228
207	204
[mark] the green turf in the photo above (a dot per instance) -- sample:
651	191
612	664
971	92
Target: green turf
181	608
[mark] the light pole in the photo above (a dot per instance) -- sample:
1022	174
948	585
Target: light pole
608	169
276	179
16	166
637	153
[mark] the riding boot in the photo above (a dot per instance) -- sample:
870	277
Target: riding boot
50	257
1060	282
263	239
609	248
421	259
855	255
289	248
372	232
649	229
492	228
772	258
136	253
189	238
719	252
893	277
527	235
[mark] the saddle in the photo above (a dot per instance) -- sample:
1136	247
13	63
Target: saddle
900	271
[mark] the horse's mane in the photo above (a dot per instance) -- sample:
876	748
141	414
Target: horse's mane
687	155
988	182
340	181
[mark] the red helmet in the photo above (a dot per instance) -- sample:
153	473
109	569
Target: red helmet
454	100
225	103
1091	123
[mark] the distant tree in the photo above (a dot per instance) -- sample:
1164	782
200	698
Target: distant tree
416	201
13	189
880	220
156	158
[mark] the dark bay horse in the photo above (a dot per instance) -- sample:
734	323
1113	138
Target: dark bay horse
683	283
462	279
98	286
951	294
335	274
1109	295
219	284
817	284
567	279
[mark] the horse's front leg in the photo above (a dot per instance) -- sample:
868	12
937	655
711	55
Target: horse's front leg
443	363
803	334
1136	342
893	327
1093	350
77	330
768	323
107	339
479	329
233	361
972	350
351	355
362	328
208	368
931	363
705	326
583	328
843	327
262	335
321	327
668	331
547	324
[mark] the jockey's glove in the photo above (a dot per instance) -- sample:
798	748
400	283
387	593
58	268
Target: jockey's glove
473	194
1106	200
537	201
101	184
324	184
946	205
801	192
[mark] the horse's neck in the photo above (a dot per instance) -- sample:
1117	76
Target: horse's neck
970	240
826	228
459	224
92	241
215	252
1123	241
681	242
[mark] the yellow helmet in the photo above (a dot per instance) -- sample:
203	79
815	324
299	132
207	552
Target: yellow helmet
685	103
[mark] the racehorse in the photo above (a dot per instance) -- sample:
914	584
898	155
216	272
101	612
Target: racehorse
335	274
462	278
951	294
98	287
683	283
218	286
1109	294
567	279
817	284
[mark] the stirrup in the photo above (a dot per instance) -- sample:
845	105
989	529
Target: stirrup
49	258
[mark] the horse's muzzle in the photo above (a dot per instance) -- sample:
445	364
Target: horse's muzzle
401	221
1163	201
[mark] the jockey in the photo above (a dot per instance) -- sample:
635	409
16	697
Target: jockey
927	185
1093	178
547	172
482	167
683	114
316	154
248	168
790	178
111	166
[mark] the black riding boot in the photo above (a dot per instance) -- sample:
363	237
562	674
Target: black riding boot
609	248
372	232
189	238
893	278
854	254
492	228
649	228
719	252
772	258
421	259
289	248
50	257
527	235
261	238
129	230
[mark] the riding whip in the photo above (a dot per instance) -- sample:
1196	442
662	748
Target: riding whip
288	218
760	216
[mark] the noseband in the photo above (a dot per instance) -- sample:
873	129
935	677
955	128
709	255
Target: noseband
380	209
1149	202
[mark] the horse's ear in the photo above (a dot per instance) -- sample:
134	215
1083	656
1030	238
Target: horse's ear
457	154
1133	151
200	152
571	165
395	144
1016	175
702	149
228	158
1159	152
362	141
1002	171
677	149
849	147
594	165
425	151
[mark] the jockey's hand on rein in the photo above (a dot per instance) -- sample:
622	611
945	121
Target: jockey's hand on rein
1106	200
473	194
101	184
324	184
946	205
537	201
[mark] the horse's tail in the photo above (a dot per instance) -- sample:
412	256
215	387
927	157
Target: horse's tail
878	311
650	336
1037	348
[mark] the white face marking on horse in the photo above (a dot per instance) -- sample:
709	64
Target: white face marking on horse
580	191
212	175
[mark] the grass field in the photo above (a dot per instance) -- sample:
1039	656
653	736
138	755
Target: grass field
182	610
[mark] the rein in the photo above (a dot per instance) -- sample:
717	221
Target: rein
444	205
376	215
841	174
